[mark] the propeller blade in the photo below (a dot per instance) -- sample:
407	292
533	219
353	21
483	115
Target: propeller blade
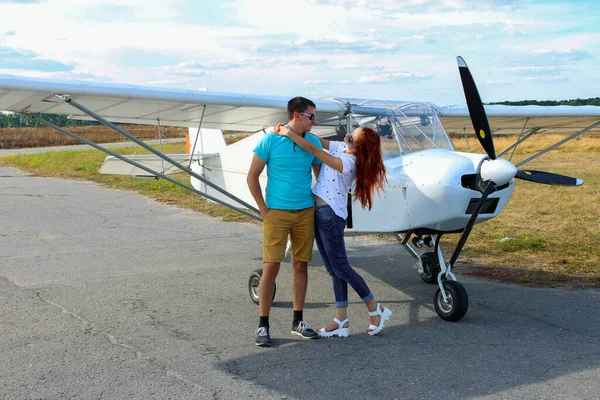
547	178
476	110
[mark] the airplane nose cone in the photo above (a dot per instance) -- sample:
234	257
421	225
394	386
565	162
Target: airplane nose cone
498	171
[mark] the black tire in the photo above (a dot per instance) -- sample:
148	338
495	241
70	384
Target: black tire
253	284
431	268
457	305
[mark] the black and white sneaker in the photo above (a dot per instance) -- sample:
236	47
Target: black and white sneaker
304	330
262	336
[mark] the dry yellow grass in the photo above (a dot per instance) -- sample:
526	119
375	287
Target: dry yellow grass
14	138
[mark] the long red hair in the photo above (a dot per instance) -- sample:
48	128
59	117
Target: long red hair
370	175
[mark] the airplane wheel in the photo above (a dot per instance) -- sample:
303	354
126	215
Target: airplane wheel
431	268
456	306
253	284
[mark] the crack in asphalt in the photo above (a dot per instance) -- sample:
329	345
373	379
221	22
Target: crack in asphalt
89	328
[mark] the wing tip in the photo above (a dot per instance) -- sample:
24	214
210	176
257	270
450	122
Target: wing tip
461	62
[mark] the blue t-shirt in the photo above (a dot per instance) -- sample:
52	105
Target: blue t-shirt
289	171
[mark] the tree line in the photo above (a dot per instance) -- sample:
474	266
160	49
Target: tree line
14	120
593	101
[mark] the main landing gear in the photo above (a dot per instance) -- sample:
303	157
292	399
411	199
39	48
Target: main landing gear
253	284
256	275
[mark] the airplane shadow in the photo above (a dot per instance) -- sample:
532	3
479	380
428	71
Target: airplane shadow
513	342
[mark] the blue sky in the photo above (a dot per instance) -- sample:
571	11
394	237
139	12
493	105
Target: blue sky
380	49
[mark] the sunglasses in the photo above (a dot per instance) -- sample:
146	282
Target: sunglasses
310	116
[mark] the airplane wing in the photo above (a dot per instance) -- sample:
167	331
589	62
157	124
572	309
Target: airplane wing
146	105
514	119
251	113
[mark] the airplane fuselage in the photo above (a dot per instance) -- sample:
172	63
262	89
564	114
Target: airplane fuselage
427	191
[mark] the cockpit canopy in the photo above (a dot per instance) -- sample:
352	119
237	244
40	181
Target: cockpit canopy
403	128
408	128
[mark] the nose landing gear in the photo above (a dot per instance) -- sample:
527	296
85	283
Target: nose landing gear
451	300
453	304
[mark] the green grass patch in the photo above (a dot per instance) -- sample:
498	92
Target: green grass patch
533	277
512	245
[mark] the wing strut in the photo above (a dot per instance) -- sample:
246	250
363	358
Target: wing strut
138	165
573	136
513	146
162	161
197	135
520	136
143	167
156	152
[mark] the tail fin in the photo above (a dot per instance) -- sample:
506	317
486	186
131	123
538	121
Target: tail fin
208	142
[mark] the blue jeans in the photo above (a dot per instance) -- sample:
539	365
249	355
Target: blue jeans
329	234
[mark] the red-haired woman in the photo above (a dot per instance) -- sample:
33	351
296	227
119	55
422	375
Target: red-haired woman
358	158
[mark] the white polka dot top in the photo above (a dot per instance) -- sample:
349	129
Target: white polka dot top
333	186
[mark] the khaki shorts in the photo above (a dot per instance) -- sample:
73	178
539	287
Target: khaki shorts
299	224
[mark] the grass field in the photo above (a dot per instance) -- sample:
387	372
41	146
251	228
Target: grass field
553	231
547	235
14	138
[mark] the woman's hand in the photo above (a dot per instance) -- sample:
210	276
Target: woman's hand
281	130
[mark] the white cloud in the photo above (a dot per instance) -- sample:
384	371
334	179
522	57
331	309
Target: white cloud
554	78
325	45
349	47
388	77
498	82
188	68
359	66
318	82
531	69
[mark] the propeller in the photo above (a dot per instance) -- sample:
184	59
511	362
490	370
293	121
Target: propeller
547	178
494	171
484	135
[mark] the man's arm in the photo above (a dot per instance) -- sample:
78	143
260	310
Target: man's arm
316	170
256	168
333	162
324	143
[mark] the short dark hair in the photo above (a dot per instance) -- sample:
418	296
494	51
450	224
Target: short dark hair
298	104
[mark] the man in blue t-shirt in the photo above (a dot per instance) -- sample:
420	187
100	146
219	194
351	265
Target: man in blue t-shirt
289	208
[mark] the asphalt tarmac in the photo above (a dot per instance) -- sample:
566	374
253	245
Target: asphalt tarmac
109	295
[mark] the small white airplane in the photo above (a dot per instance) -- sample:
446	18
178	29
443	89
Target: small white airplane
432	188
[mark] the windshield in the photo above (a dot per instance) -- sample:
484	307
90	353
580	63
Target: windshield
408	128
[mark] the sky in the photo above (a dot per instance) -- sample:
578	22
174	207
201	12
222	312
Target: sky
376	49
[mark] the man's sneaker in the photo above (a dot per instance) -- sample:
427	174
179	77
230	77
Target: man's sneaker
303	329
262	336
